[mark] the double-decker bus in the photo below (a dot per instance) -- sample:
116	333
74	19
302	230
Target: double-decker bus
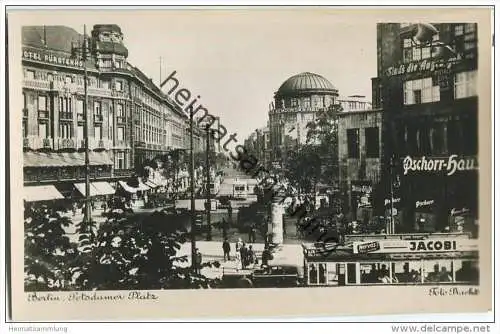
240	189
416	259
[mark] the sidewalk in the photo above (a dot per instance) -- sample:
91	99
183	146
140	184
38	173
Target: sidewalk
212	251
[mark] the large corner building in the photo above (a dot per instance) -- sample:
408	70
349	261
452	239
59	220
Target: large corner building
130	119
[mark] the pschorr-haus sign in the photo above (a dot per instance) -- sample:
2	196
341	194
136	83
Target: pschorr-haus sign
450	165
51	58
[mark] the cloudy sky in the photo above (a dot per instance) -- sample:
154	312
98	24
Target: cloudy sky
236	59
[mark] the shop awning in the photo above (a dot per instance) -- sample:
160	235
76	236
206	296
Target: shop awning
41	193
55	159
104	188
96	189
151	184
127	188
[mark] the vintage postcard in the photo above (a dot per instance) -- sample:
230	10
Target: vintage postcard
228	163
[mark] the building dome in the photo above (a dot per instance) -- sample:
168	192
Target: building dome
306	83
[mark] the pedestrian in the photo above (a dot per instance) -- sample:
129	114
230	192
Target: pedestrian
73	208
239	244
198	260
243	256
250	256
266	256
226	248
252	233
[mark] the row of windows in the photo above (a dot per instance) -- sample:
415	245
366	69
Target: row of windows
411	272
372	143
425	91
440	137
66	130
413	51
71	79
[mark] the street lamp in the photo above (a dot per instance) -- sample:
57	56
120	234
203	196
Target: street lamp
191	179
208	203
82	51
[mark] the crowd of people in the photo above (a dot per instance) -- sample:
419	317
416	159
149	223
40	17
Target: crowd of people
244	254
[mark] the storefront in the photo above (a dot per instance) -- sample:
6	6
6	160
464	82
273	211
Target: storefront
439	194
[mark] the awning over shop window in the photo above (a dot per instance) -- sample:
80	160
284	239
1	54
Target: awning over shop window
54	159
96	189
41	193
127	188
104	188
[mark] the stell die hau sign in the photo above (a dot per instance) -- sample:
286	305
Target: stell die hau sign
450	165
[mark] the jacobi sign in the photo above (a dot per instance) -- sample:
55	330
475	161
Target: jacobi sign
450	165
51	58
415	246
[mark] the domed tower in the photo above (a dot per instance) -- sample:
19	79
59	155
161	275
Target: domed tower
296	103
108	45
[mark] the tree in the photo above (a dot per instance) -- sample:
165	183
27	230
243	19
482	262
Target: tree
303	168
47	249
126	253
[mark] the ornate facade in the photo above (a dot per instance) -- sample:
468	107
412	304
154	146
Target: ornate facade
130	119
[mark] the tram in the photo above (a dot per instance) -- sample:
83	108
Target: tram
416	259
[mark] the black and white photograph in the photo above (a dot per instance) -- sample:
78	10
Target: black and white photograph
248	150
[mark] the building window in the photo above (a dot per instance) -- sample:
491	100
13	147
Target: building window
30	75
79	106
372	142
79	132
120	160
42	103
120	132
118	86
97	108
119	110
459	30
420	91
470	27
465	84
353	143
43	130
25	101
25	128
294	102
68	79
98	132
105	84
65	130
437	138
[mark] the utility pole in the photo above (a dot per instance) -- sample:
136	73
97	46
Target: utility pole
82	51
391	176
191	172
208	202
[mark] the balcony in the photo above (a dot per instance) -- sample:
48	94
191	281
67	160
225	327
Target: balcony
123	172
139	144
97	118
120	119
95	91
65	143
66	116
25	112
42	114
36	84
